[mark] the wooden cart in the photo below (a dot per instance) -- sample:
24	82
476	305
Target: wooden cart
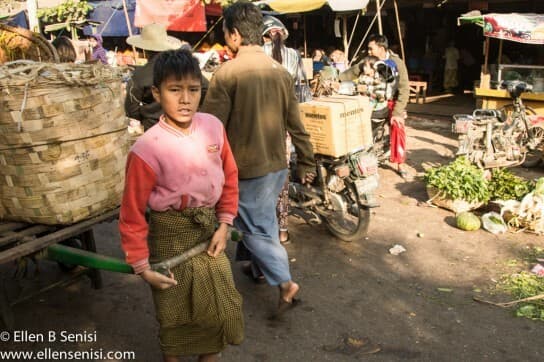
18	240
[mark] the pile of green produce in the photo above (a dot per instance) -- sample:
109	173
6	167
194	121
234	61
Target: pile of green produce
525	285
462	180
68	11
459	180
504	185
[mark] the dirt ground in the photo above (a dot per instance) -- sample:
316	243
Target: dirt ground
355	296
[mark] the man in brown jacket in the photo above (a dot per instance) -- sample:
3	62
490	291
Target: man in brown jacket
254	97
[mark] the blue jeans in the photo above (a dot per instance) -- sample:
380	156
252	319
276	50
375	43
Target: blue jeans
258	221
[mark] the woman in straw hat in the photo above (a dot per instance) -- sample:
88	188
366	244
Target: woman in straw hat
139	102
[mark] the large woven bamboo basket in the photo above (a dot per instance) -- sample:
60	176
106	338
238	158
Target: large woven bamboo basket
19	43
63	141
455	205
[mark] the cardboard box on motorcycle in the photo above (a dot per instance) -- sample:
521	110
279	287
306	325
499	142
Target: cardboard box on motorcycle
338	124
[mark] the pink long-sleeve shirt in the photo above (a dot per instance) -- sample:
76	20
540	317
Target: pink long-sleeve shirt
167	169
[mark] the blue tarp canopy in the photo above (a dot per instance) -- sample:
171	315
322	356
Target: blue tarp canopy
18	19
112	18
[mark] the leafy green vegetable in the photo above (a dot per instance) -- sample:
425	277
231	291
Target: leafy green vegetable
539	187
504	185
525	285
66	12
459	180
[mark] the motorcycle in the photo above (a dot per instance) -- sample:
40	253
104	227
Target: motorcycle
341	196
502	138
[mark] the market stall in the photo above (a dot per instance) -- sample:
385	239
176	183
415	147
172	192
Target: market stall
521	28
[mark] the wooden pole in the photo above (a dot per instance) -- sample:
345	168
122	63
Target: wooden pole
208	32
345	36
379	15
486	55
499	59
32	10
398	29
125	10
485	80
364	38
354	27
305	44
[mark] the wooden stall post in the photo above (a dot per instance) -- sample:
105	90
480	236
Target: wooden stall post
485	78
345	35
398	29
125	10
379	15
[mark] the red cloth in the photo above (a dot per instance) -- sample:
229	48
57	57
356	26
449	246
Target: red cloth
397	138
398	143
177	15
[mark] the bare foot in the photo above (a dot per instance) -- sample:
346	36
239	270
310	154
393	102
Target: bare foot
288	291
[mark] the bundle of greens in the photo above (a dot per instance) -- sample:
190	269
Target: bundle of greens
525	285
504	185
459	180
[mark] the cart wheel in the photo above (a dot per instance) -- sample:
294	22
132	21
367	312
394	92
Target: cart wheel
74	243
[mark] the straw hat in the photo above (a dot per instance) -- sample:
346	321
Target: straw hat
154	38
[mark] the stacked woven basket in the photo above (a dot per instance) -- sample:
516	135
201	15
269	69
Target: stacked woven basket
19	43
63	141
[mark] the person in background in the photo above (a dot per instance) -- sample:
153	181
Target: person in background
65	49
98	53
319	59
254	96
451	59
183	170
379	46
338	60
274	35
139	101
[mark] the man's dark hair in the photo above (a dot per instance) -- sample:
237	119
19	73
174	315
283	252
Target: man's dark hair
247	19
380	40
179	63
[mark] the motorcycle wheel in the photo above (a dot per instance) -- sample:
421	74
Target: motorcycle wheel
534	157
351	224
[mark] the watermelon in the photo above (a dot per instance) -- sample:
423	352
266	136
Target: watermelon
468	221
